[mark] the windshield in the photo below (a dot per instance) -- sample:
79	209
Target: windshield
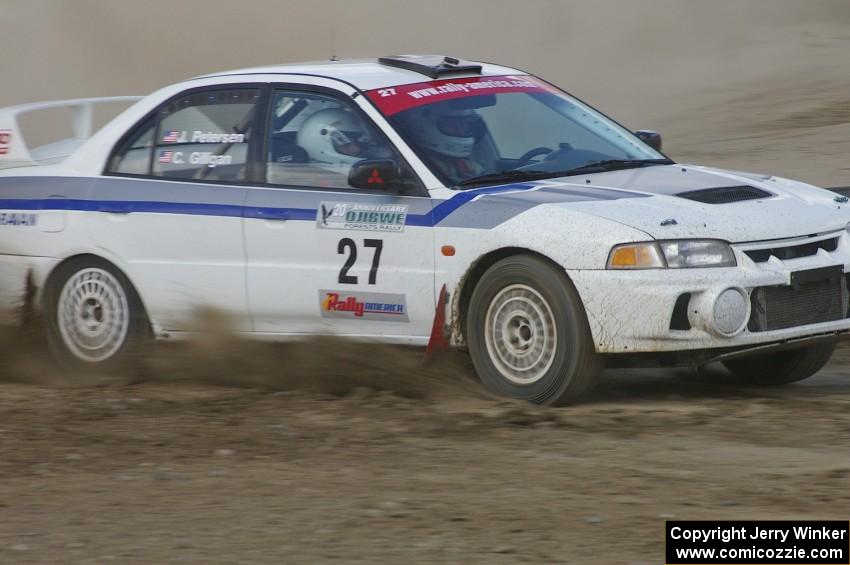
506	127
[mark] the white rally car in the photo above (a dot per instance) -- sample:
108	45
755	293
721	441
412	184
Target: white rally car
413	199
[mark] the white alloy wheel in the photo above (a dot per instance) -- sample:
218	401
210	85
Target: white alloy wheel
520	334
528	334
93	314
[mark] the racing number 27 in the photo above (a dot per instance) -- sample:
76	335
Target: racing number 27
347	245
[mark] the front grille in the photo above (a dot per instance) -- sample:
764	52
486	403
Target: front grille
793	251
725	194
815	296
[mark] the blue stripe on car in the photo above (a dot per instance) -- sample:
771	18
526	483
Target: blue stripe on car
442	210
127	206
434	217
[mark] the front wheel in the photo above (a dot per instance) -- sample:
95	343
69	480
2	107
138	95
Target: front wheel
94	315
782	367
528	334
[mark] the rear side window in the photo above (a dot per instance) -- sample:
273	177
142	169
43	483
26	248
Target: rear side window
204	135
133	156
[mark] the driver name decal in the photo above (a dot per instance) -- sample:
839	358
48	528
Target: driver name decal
364	217
207	158
198	136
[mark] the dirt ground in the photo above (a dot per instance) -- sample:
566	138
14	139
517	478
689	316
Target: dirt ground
228	452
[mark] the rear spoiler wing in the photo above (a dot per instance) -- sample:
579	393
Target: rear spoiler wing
13	148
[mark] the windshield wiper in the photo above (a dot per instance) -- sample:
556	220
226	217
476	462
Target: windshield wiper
507	176
593	167
615	164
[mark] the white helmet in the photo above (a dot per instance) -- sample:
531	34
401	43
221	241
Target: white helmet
449	132
333	136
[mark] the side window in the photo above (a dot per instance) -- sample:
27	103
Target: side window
205	135
314	140
133	156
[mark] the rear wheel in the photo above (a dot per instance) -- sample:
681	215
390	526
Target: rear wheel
94	315
528	334
782	367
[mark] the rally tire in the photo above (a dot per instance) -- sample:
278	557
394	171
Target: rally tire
528	334
93	315
782	367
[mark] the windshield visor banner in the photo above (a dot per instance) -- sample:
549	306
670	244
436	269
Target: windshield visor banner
400	98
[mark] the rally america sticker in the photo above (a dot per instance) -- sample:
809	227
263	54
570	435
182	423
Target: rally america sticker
407	96
365	217
5	141
376	306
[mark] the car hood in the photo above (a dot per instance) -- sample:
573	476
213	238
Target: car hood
649	199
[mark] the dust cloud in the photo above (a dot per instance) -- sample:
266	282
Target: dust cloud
326	365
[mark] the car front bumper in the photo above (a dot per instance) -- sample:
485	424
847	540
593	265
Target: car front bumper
634	311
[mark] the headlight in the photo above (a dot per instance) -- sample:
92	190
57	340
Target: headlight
697	253
675	254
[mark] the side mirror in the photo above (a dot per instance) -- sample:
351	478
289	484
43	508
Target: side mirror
651	138
376	174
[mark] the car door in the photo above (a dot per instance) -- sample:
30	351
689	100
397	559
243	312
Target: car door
322	256
169	208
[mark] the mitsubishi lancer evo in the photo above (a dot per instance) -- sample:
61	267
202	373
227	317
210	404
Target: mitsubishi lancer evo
416	200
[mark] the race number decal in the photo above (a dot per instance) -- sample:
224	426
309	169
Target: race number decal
348	247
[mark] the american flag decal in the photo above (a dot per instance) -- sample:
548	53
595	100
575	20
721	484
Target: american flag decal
172	136
166	156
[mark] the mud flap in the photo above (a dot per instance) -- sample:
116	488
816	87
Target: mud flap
438	342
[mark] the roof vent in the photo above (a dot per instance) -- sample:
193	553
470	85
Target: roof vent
725	194
433	66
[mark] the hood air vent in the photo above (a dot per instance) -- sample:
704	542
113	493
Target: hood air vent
725	194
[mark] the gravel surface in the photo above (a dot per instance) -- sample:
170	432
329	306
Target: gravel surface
330	451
